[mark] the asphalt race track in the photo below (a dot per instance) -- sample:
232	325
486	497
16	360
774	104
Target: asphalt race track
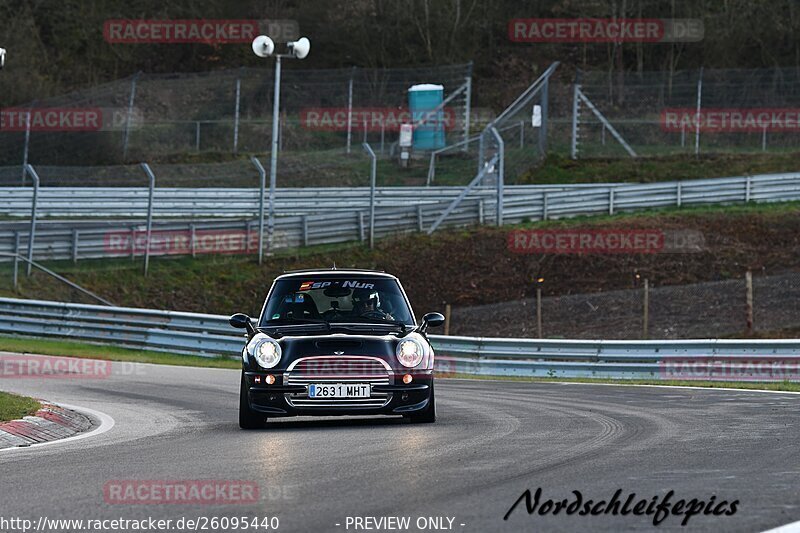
492	441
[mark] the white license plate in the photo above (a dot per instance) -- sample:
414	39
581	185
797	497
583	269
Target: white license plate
339	390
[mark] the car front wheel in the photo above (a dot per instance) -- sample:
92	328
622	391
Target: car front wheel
248	419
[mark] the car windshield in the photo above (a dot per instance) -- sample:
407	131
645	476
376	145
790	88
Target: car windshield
336	299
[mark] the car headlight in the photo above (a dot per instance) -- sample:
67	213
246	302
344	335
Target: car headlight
409	353
267	352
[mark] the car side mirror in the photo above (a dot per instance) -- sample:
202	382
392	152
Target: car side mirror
431	320
242	321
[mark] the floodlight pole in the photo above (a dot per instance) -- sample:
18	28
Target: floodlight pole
276	105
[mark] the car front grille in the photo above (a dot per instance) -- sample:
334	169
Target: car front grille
338	369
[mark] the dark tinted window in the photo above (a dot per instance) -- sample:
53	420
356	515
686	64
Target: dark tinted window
339	299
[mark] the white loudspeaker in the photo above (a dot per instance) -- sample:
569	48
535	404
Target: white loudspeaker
263	46
300	48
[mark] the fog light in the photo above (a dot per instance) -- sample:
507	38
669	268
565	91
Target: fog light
257	380
407	379
270	379
404	397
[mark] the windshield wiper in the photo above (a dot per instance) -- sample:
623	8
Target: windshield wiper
288	322
374	322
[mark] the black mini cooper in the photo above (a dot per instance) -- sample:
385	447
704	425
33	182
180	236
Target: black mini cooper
336	342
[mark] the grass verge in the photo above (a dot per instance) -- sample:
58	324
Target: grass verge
110	353
13	406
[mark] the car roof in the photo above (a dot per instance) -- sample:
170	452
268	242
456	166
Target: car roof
330	272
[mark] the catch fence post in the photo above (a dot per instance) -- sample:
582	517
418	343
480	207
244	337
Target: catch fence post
34	206
646	309
129	117
748	277
236	116
150	198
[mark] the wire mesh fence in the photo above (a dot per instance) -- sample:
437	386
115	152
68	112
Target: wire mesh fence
325	116
210	121
714	309
682	112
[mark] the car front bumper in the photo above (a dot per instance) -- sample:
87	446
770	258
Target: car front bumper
281	400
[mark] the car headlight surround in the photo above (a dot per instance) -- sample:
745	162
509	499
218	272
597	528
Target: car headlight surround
266	352
409	352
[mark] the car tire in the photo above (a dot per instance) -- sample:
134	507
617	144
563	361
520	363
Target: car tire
248	419
427	415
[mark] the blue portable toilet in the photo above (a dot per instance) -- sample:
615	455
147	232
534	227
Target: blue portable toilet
422	99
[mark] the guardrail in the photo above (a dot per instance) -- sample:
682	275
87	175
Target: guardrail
325	216
210	335
127	238
109	202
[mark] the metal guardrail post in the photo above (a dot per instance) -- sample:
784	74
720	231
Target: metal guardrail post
611	201
261	188
679	194
75	238
372	179
133	243
747	187
544	205
501	154
305	230
34	205
16	259
193	240
150	198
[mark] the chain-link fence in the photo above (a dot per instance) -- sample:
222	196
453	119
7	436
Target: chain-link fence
683	112
769	305
210	119
325	116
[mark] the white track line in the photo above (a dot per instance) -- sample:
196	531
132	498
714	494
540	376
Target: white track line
621	385
794	527
106	423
